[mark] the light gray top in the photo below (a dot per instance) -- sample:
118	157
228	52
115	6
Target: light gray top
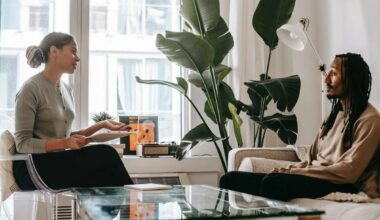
43	111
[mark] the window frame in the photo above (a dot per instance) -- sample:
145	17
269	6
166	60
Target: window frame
80	29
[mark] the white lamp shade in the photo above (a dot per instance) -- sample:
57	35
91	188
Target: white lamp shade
292	36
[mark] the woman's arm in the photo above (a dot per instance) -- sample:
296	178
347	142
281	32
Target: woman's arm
109	124
73	142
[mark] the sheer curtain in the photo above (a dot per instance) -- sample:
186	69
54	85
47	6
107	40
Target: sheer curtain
337	26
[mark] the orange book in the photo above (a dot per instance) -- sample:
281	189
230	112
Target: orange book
144	131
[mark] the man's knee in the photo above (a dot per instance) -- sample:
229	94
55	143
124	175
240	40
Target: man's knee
227	180
274	186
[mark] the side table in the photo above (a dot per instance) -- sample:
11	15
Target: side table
192	170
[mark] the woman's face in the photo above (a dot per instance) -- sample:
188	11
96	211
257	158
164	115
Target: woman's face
67	58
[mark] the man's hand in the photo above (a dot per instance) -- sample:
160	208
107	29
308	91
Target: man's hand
76	141
281	170
115	126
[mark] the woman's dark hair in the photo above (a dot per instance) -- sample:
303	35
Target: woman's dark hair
357	82
40	54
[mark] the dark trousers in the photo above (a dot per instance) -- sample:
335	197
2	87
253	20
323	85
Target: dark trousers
93	166
281	186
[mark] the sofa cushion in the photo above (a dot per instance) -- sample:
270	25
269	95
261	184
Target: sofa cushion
342	210
261	165
7	149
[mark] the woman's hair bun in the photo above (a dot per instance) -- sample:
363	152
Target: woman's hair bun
35	56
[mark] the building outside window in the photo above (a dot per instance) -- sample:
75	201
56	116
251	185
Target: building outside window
39	18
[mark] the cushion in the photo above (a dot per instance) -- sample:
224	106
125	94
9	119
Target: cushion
261	165
7	149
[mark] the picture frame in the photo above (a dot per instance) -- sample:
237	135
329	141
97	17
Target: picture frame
144	130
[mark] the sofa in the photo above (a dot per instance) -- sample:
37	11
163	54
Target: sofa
265	159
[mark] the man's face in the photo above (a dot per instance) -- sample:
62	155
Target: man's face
334	80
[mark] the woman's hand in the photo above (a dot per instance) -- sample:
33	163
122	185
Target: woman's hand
76	141
115	126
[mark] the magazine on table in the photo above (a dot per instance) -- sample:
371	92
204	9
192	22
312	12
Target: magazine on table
148	186
105	134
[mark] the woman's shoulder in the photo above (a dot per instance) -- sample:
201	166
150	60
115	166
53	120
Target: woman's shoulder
31	85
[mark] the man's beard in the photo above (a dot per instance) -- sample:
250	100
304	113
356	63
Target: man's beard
330	97
333	96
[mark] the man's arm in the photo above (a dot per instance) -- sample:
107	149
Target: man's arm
354	161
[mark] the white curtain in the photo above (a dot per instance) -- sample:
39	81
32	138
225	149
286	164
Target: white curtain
337	26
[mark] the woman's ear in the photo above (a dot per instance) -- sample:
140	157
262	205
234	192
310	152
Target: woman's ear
53	51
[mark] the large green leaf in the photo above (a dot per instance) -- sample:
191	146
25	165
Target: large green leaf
186	49
284	91
221	71
269	16
181	86
221	40
196	135
284	125
201	15
237	122
227	96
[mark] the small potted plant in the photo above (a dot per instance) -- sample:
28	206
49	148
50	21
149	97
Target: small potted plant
101	116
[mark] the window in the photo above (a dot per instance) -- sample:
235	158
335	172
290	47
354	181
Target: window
39	18
98	18
23	23
130	16
116	59
10	9
121	46
8	66
146	17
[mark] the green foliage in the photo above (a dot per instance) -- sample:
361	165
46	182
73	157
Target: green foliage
201	49
284	92
269	16
101	116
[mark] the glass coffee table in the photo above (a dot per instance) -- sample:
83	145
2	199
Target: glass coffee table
181	202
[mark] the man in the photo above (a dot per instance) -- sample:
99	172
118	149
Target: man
344	156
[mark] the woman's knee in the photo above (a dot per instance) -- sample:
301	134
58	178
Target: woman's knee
102	149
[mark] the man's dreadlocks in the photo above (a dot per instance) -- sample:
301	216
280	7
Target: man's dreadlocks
357	82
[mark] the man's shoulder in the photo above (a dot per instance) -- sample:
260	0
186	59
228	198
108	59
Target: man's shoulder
370	115
371	112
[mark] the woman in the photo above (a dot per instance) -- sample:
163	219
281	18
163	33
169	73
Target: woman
44	115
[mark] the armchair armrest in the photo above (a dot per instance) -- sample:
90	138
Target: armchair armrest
236	155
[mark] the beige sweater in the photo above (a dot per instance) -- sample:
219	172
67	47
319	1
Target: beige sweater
359	165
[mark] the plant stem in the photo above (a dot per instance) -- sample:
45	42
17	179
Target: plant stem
222	129
204	122
261	132
267	71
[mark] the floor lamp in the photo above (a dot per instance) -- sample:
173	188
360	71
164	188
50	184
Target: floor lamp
296	37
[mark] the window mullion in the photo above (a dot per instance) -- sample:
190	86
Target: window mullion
79	28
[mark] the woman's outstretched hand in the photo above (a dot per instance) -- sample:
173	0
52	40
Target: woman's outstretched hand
76	141
115	126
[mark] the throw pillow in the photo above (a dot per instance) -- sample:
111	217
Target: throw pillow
7	149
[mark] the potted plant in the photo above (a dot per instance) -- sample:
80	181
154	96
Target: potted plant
101	116
201	49
284	92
